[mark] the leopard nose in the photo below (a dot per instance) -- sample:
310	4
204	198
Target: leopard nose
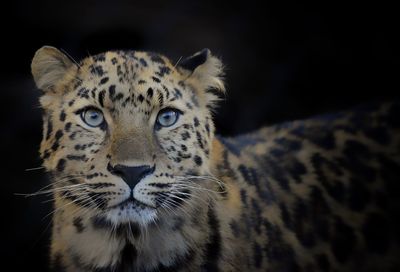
131	174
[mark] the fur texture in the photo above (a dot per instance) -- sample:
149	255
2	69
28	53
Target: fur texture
312	195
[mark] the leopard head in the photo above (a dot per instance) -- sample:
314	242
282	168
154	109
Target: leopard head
128	135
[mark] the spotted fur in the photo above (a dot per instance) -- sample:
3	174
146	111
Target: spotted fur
313	195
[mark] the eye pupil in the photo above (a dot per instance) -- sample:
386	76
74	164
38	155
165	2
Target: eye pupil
93	115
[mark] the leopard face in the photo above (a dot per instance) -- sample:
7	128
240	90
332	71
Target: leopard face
127	135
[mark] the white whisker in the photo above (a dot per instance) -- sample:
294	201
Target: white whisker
34	168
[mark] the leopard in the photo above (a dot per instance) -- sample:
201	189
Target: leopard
141	181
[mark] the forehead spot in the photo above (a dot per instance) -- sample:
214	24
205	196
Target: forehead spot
143	62
178	93
111	91
99	57
104	80
163	71
150	92
96	70
140	98
101	97
119	96
156	58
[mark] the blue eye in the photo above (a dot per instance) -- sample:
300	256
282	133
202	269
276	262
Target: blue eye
167	117
92	117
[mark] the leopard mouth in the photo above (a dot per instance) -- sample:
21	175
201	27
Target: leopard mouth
130	202
131	210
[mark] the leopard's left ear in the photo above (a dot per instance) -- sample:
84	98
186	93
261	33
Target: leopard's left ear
207	71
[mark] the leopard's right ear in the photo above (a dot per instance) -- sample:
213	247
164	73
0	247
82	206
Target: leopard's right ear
49	65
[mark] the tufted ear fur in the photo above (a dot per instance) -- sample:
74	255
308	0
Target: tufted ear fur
49	65
206	71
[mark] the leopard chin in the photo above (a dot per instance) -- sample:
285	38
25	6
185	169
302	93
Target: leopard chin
131	211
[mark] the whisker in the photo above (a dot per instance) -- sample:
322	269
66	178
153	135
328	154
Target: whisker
178	193
66	53
65	205
208	178
34	168
59	180
51	191
176	64
195	186
174	204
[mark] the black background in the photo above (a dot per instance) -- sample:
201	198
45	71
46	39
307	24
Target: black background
284	61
